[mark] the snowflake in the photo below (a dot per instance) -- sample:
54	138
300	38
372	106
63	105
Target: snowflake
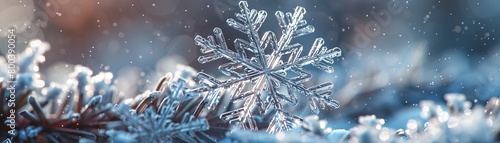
268	72
159	116
311	130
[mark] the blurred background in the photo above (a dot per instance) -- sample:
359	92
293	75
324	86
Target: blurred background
396	53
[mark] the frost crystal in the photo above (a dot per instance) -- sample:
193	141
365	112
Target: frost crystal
269	64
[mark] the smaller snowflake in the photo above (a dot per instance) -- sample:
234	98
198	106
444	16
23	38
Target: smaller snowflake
159	116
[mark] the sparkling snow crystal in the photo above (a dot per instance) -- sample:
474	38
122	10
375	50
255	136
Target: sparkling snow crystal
267	65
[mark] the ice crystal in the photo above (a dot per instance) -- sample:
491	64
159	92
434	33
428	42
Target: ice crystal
154	117
268	72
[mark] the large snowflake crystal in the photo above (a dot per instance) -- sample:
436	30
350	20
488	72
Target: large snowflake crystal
269	64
